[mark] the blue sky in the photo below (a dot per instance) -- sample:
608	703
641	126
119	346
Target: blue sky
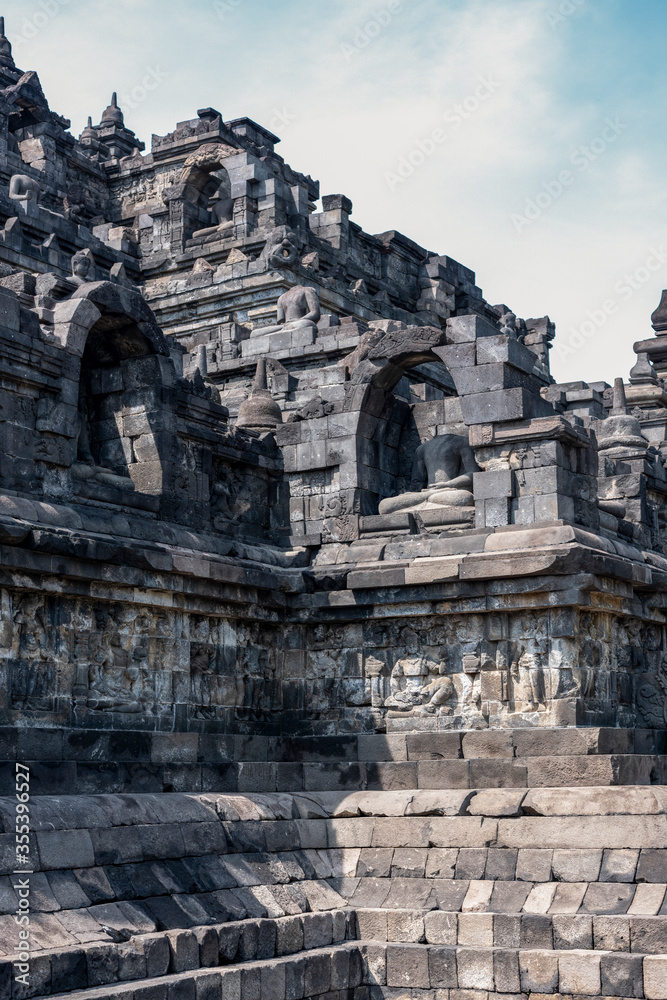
522	137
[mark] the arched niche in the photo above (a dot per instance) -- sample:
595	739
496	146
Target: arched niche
391	422
124	435
201	202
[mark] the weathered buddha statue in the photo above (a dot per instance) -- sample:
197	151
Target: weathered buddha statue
25	190
298	309
222	208
82	267
441	475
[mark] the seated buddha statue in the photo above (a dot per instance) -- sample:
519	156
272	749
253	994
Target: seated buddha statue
298	308
441	475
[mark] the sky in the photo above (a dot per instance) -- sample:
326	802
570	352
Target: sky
523	138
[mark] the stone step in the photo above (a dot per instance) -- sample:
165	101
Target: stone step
82	761
332	972
558	931
374	969
136	776
151	956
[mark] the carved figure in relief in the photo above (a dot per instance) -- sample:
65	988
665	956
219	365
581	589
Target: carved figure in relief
283	248
34	678
528	680
651	697
441	475
254	688
410	690
114	680
298	309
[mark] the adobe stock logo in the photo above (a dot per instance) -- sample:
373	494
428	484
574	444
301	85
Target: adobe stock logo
581	158
454	117
624	290
32	26
365	34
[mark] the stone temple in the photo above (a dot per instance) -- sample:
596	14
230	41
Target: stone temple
333	629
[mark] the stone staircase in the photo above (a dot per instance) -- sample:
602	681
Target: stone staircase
454	889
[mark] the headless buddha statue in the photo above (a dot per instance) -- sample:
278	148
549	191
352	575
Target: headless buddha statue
441	475
298	308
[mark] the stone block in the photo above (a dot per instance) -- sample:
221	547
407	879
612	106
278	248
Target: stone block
68	971
441	928
340	969
507	930
501	864
652	865
576	866
251	982
442	967
536	931
607	897
272	981
475	969
579	973
503	405
647	935
467	329
184	950
488	743
443	774
655	977
471	863
441	863
157	953
374	964
407	965
506	972
372	925
568	897
534	865
571	931
101	964
409	862
502	348
611	933
317	930
619	866
648	899
475	930
405	926
539	971
65	849
621	976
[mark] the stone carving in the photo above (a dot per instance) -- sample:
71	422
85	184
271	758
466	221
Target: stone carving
312	410
223	208
114	674
283	248
528	682
446	464
298	309
25	190
418	684
83	267
33	677
254	685
620	435
651	698
260	411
